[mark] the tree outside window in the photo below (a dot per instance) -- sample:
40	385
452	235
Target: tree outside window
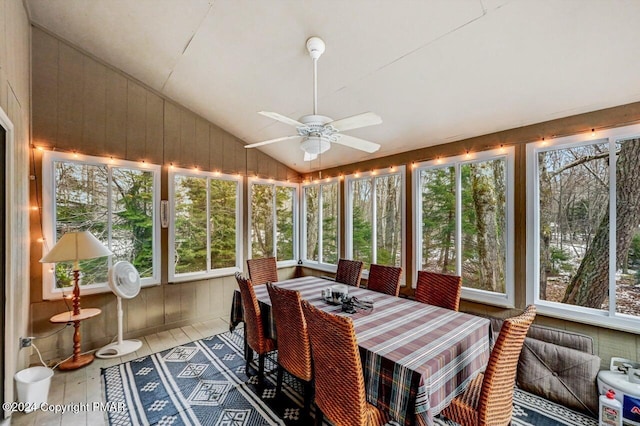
273	224
321	223
463	223
205	225
375	221
115	201
588	225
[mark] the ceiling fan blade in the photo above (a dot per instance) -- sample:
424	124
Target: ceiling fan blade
357	143
267	142
356	121
310	157
281	118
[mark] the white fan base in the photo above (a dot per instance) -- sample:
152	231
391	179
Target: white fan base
116	349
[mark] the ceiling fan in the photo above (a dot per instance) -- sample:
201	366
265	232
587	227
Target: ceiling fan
318	132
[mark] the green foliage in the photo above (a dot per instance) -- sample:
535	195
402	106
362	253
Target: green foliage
634	252
558	258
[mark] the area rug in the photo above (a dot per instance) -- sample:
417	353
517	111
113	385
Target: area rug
205	383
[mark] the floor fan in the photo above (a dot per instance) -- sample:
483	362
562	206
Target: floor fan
124	281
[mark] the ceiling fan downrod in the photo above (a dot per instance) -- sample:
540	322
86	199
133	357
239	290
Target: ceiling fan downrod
316	47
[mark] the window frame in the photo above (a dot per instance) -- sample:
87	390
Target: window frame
348	220
209	273
506	299
320	265
599	317
295	201
49	215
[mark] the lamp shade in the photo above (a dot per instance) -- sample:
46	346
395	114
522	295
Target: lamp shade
75	246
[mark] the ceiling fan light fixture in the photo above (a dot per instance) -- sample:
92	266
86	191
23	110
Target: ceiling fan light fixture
314	145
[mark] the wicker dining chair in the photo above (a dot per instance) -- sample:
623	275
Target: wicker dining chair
384	279
349	272
253	327
488	399
339	380
294	349
437	289
262	270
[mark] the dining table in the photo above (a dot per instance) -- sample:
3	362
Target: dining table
416	357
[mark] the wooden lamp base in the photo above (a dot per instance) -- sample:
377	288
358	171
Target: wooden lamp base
76	362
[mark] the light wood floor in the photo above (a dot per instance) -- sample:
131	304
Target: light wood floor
84	385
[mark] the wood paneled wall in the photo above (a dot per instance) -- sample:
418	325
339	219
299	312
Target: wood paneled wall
81	104
15	104
608	342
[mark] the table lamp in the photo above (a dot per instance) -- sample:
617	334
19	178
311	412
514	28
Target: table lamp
73	247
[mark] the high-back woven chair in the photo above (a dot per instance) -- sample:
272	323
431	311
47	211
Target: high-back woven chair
439	289
384	279
488	400
294	349
262	270
340	391
349	272
253	327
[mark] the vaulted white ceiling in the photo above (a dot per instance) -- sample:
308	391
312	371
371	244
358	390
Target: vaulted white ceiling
434	70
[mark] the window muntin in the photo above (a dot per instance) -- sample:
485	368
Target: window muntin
464	222
205	227
375	217
583	202
321	223
116	201
273	220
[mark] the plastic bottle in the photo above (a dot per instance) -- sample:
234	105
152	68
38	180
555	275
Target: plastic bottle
610	410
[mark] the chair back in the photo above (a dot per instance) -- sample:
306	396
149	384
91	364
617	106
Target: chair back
253	328
495	405
349	272
262	270
340	391
437	289
384	279
294	350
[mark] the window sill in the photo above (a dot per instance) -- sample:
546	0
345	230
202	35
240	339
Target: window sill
86	291
198	276
589	316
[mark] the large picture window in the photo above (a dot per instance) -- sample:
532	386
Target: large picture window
206	224
116	201
463	222
273	224
320	223
375	217
584	228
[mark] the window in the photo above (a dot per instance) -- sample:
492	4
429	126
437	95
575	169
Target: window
584	227
115	200
206	224
320	223
464	222
375	217
273	210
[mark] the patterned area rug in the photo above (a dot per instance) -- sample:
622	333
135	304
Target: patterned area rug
205	383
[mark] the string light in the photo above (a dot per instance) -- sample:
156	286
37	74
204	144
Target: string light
356	174
40	240
467	155
593	132
392	169
171	166
438	160
374	172
501	149
341	177
35	208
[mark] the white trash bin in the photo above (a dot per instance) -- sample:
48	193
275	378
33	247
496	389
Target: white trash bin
33	386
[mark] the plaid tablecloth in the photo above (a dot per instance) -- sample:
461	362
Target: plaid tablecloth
416	357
